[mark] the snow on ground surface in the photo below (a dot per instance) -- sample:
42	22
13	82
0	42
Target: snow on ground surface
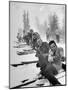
15	59
23	72
29	71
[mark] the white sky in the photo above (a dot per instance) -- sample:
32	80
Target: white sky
42	11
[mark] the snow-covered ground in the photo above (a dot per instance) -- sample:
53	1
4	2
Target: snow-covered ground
16	59
23	72
17	74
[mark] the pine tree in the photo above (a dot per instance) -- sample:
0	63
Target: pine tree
53	27
53	23
28	26
26	22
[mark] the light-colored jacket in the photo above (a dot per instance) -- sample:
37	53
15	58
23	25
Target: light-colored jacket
56	59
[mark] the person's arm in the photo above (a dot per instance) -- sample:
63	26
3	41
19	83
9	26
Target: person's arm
50	59
57	56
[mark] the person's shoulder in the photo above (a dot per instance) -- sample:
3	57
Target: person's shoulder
60	49
45	44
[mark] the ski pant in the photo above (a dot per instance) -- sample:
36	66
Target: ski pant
64	66
49	73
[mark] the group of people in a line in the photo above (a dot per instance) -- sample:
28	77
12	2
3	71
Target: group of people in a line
31	38
49	55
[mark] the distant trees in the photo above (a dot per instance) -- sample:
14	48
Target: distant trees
53	30
19	35
41	27
53	23
47	31
26	25
63	32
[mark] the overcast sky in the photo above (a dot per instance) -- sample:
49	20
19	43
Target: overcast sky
42	11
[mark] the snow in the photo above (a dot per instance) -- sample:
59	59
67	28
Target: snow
23	72
16	59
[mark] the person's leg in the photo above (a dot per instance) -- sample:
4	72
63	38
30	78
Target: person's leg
49	73
52	79
64	67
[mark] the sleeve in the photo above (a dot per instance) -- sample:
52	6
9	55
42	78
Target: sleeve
57	56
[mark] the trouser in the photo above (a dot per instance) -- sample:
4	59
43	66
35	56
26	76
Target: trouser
64	67
49	73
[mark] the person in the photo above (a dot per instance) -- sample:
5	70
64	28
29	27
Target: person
26	39
57	54
30	35
47	69
35	39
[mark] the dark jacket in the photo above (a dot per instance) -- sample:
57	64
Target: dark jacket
43	49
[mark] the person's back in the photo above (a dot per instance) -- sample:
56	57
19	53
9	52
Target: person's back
43	50
34	39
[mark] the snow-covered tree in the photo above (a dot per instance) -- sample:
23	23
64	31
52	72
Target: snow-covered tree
53	27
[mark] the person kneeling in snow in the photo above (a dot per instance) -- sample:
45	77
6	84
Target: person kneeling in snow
48	70
55	56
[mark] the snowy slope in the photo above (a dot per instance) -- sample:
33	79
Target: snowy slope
27	72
